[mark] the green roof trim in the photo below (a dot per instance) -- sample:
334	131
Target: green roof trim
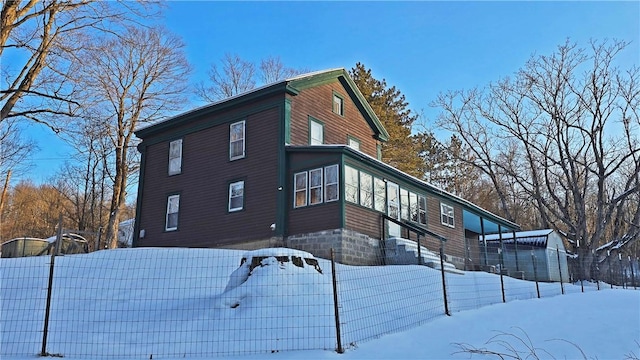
291	86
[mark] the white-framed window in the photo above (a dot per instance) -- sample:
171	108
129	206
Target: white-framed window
366	190
331	188
315	186
447	215
316	132
422	210
353	143
413	206
404	204
173	208
351	184
236	196
175	157
300	189
338	104
236	140
379	195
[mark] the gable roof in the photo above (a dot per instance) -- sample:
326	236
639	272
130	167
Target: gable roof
291	86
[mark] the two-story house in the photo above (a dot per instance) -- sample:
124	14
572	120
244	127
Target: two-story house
294	163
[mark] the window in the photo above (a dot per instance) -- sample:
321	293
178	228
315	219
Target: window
366	190
300	189
351	184
353	143
392	198
413	206
338	104
379	198
175	157
404	204
446	212
315	186
331	183
173	207
316	132
236	140
422	210
236	196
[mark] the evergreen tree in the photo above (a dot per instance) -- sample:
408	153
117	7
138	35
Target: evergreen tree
402	149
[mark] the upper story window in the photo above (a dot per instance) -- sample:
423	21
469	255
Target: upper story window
316	132
338	104
236	140
236	196
353	143
173	208
447	215
175	157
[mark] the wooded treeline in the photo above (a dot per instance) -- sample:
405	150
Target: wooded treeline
554	146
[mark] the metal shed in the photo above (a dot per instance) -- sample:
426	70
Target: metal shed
537	254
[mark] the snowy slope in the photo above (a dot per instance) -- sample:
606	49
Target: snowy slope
172	303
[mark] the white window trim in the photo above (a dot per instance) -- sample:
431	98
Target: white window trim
170	199
319	188
231	185
312	140
333	104
296	189
447	211
351	185
173	145
231	142
331	182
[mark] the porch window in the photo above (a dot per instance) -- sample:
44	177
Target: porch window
351	184
379	198
300	189
236	196
236	140
447	215
404	204
366	190
331	183
422	210
173	208
315	186
413	201
175	157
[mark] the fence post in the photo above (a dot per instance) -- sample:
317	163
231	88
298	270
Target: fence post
633	276
560	269
340	349
444	284
535	273
504	298
47	312
623	277
419	251
610	270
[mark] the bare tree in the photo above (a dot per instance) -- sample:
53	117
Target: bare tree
564	136
135	78
236	76
13	152
45	36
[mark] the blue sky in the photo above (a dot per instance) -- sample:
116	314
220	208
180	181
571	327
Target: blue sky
422	48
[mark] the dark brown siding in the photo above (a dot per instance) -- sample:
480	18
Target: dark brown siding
362	220
203	185
454	236
317	102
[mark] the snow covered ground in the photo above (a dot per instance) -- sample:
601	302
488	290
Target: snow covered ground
180	303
